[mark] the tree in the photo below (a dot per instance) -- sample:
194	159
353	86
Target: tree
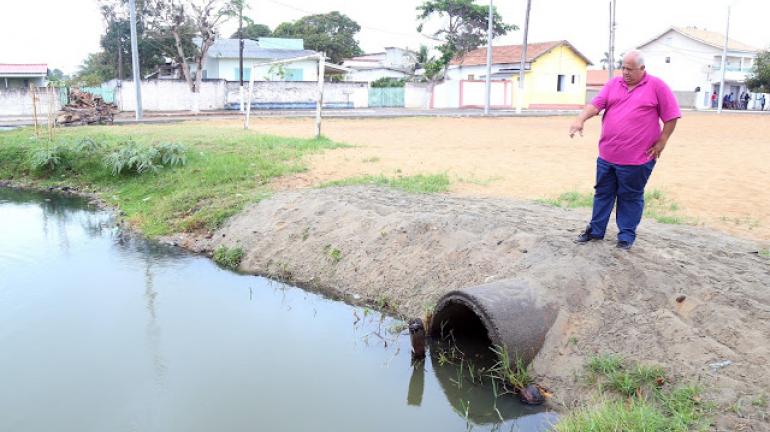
605	61
465	28
253	30
332	33
759	80
184	18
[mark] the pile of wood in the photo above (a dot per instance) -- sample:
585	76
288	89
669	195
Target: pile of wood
85	108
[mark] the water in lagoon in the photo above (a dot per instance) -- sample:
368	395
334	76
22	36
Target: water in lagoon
102	332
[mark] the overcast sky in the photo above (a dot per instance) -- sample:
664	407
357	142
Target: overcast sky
62	33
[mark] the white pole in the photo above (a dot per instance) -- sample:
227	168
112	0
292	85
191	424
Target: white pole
724	64
319	103
488	85
248	97
522	63
135	60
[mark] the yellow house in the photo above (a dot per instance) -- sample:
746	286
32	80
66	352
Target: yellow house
554	73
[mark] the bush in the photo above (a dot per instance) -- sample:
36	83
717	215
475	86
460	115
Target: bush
141	159
228	257
388	82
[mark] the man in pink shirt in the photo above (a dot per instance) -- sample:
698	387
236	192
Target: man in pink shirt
630	144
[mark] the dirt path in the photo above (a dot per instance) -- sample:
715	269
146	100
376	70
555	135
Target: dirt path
716	168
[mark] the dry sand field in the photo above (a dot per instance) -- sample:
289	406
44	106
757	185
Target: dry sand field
716	168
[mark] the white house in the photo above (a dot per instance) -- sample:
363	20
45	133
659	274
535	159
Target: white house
222	60
392	63
690	59
22	75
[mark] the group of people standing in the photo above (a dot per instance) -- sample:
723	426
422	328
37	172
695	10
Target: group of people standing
730	101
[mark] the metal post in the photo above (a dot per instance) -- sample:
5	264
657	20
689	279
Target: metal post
135	60
240	47
248	97
522	63
321	70
724	65
488	85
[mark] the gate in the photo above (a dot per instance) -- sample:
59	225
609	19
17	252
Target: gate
386	97
107	95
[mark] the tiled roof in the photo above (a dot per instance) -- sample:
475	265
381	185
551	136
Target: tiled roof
507	54
22	69
228	48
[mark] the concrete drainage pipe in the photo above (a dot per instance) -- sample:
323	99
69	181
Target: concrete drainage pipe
510	313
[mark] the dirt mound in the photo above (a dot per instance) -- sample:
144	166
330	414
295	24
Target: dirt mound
405	251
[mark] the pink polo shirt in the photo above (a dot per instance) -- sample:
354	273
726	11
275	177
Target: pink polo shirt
631	122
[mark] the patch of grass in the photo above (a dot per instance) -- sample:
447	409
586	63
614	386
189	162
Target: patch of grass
513	374
415	184
228	257
760	401
571	200
479	182
635	400
373	159
605	364
217	169
334	254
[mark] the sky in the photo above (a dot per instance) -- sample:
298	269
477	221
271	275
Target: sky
62	33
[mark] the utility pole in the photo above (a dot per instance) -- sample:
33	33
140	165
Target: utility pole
611	53
523	62
488	86
724	64
240	46
120	52
135	60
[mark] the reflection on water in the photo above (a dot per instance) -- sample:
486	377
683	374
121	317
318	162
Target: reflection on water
102	331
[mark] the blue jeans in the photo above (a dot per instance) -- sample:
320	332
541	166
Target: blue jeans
624	183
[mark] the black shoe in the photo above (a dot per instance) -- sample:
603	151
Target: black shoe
622	244
586	236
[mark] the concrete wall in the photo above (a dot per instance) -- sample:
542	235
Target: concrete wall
355	93
18	102
446	94
171	95
473	94
417	95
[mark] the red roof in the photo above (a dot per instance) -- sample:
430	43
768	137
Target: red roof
600	77
29	69
511	53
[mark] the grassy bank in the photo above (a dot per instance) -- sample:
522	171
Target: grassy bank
193	175
636	398
415	184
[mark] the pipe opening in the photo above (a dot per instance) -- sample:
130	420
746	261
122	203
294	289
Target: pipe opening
458	324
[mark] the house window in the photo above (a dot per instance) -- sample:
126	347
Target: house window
573	79
246	73
293	74
668	59
560	82
471	77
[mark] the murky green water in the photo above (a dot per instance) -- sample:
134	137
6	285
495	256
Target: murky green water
100	332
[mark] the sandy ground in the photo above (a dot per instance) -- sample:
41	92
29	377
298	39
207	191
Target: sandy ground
407	250
378	246
716	168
